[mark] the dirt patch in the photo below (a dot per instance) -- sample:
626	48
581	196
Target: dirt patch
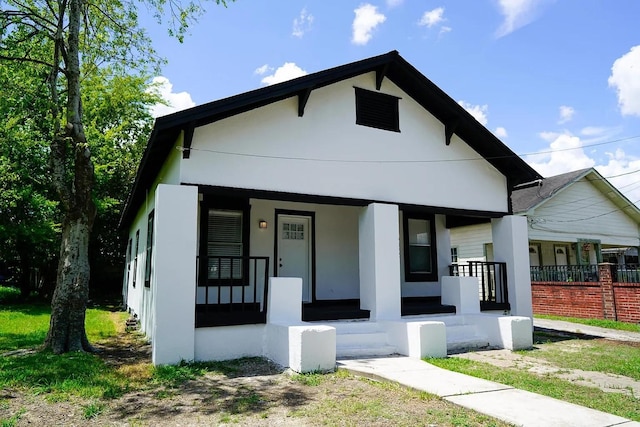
256	393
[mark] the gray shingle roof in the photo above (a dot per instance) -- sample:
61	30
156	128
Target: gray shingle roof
524	199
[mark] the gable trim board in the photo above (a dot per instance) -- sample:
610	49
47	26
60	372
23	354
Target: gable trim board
392	66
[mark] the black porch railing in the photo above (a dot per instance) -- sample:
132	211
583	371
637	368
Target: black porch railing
628	273
564	273
231	290
492	277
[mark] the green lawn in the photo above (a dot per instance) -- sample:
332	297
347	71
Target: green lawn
588	355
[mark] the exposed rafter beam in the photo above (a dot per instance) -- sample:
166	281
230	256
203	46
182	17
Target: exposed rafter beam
450	128
303	97
380	75
188	139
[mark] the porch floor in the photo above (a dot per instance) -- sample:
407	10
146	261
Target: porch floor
412	306
333	310
350	309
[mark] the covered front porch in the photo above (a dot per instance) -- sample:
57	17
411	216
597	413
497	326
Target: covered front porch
354	263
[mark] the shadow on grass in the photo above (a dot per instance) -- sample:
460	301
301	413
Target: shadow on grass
79	374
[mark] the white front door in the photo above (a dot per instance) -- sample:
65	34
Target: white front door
534	256
561	255
294	250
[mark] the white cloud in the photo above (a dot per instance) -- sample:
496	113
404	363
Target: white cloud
175	101
566	114
302	24
479	112
444	30
564	154
263	70
394	3
366	20
432	17
517	14
625	78
288	71
621	166
592	131
501	132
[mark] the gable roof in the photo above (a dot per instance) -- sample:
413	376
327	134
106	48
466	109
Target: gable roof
524	200
390	65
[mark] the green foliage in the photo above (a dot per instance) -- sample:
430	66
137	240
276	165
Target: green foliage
309	379
92	410
9	295
602	323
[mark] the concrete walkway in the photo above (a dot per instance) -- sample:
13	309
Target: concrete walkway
509	404
577	328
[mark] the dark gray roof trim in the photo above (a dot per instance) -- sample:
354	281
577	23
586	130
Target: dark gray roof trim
390	65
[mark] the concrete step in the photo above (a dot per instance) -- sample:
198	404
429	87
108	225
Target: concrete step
356	327
371	339
462	337
347	352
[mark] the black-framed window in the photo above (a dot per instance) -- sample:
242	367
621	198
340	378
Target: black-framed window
378	110
149	251
224	241
454	255
135	259
129	248
420	257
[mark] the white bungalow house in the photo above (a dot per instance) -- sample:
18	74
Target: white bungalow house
575	221
310	220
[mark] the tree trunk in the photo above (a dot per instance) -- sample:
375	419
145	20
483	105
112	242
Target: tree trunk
69	303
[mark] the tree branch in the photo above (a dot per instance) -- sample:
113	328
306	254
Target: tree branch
32	60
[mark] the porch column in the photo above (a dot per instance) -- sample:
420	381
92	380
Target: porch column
379	255
174	273
511	245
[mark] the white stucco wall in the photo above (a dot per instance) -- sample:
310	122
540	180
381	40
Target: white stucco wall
174	273
139	299
303	154
336	240
380	289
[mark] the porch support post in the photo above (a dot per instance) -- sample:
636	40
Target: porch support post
511	245
173	282
379	241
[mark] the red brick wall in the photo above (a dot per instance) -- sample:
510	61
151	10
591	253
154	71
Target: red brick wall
627	297
601	300
573	299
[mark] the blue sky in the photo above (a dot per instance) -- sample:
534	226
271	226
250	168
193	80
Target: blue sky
557	80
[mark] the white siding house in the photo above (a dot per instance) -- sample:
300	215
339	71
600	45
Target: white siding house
259	223
573	219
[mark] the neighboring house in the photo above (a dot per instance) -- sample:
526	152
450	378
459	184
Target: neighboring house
575	221
258	221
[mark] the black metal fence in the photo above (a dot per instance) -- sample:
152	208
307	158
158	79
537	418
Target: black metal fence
492	277
231	290
564	273
629	273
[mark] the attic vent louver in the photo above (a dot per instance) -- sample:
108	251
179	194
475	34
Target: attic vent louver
377	110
